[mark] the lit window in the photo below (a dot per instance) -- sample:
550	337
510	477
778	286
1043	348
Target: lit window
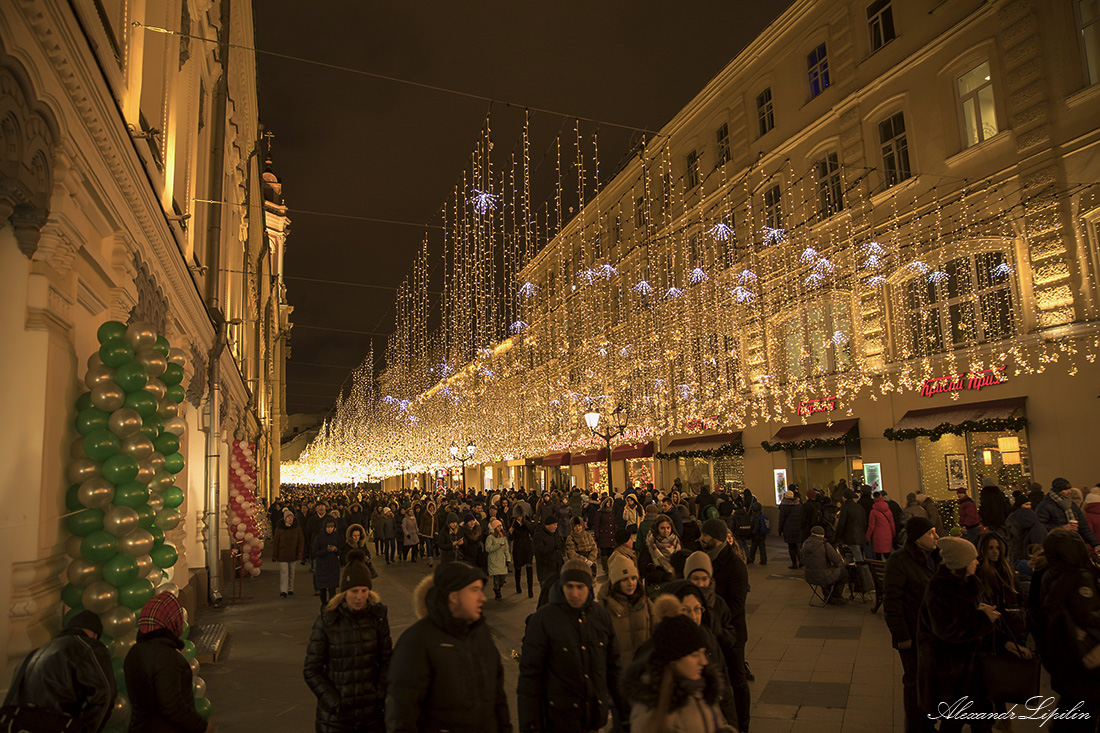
764	114
829	190
817	341
773	209
880	23
979	114
1089	20
692	175
817	63
895	149
723	136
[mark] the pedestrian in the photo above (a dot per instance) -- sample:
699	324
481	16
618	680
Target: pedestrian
1057	510
580	545
287	546
471	549
326	561
377	523
790	526
68	681
1023	529
315	524
1091	510
446	673
355	538
632	512
603	528
497	556
731	580
389	535
549	550
630	608
624	546
760	530
880	528
824	566
348	656
427	527
994	507
968	516
655	562
447	539
523	549
411	533
569	665
158	678
676	689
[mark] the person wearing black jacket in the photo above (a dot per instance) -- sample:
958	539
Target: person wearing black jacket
730	579
446	672
523	548
993	508
549	548
158	677
908	572
69	677
348	656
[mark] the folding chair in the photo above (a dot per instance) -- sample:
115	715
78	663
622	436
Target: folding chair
820	593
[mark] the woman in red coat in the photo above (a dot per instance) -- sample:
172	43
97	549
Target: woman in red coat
880	527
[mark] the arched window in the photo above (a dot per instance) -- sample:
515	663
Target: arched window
816	340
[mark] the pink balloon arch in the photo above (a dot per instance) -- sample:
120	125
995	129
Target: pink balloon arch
244	515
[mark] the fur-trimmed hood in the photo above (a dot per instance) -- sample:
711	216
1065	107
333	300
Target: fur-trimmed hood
362	535
641	683
427	604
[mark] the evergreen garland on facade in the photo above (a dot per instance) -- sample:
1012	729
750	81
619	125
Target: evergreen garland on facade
809	443
988	425
723	451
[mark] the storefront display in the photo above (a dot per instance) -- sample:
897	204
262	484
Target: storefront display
821	454
715	460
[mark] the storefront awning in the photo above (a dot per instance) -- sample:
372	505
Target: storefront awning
934	421
637	450
702	442
556	459
822	433
589	456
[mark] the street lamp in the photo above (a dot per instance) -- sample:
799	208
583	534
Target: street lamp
616	425
455	454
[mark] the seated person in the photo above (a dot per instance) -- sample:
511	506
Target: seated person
823	564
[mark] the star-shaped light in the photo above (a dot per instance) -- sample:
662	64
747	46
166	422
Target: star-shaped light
517	326
643	288
673	292
528	289
721	231
746	277
697	276
1002	270
808	255
774	235
939	276
741	294
483	202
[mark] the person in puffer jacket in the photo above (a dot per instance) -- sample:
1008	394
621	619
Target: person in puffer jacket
880	528
348	656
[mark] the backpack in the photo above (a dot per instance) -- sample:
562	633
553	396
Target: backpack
742	521
764	525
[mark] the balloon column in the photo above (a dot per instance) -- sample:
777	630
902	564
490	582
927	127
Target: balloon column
245	521
123	496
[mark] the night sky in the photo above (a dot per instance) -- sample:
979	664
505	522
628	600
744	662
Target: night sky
352	145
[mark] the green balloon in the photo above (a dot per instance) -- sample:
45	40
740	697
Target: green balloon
99	546
173	463
71	595
203	706
176	393
72	498
83	402
136	594
120	674
116	352
120	570
71	614
120	469
131	377
186	629
167	444
162	346
172	375
142	401
146	516
173	497
188	649
110	330
148	429
157	532
164	556
133	494
92	419
99	445
85	522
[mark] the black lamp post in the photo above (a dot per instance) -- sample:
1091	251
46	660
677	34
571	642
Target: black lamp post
616	424
456	455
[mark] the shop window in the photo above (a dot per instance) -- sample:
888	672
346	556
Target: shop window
765	114
825	466
817	64
729	473
976	105
880	24
1088	19
830	192
723	140
972	459
691	176
895	149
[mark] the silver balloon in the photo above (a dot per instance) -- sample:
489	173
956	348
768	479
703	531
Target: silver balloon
120	521
177	356
186	618
124	422
94	360
72	546
98	375
120	711
120	646
153	361
85	572
169	588
176	426
155	575
200	686
161	481
144	565
156	388
167	409
118	622
136	446
82	469
146	472
137	543
156	501
194	665
96	493
141	335
108	397
157	459
166	520
76	450
100	596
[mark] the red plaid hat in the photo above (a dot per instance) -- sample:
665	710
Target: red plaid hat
163	611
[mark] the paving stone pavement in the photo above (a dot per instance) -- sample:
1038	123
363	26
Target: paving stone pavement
817	669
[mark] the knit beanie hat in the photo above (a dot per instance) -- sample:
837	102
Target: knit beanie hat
453	576
1059	484
651	511
698	560
452	517
162	611
675	638
356	573
468	517
86	620
619	567
818	530
956	552
550	519
576	571
916	528
622	535
716	529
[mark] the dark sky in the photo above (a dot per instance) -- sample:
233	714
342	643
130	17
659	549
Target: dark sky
349	144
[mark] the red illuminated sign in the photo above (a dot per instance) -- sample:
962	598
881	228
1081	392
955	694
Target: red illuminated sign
959	382
823	404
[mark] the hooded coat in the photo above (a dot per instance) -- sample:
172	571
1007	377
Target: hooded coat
326	562
348	546
694	710
851	524
428	524
288	543
579	545
497	554
823	564
905	581
549	552
160	685
446	674
1023	529
880	527
410	530
347	663
1072	603
790	520
604	526
632	618
523	550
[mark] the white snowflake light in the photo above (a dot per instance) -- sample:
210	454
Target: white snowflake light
643	288
588	275
743	295
873	248
939	276
746	277
839	338
685	390
877	280
697	276
625	351
673	292
813	280
918	266
528	289
517	326
721	232
824	267
483	202
606	271
808	255
773	235
1002	270
487	373
873	262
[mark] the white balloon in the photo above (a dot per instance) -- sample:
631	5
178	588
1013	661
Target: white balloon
255	572
239	535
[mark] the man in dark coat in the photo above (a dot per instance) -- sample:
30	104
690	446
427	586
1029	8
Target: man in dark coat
851	525
569	666
549	549
158	677
993	508
326	548
446	672
69	676
1057	510
790	526
731	579
907	574
314	525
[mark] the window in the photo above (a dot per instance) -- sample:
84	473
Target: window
617	230
639	213
817	63
880	23
979	115
817	341
723	152
1089	19
691	177
764	114
773	209
666	192
829	191
972	305
895	149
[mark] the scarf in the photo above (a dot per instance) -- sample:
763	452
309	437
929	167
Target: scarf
1062	502
661	549
713	552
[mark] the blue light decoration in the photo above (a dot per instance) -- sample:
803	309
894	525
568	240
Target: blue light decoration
918	266
483	202
643	288
697	276
824	267
839	338
721	231
413	419
743	295
606	271
389	400
517	326
673	292
746	277
808	255
685	390
528	289
873	262
814	280
877	280
939	276
1002	270
588	275
774	235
